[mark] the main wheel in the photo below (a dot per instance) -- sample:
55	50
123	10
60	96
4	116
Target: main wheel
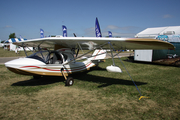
69	81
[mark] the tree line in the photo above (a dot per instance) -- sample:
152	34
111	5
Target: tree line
12	35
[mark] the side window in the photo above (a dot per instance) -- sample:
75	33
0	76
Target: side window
57	58
65	56
50	61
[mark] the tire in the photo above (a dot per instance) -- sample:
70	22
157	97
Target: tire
69	81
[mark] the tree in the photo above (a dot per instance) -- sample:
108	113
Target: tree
12	35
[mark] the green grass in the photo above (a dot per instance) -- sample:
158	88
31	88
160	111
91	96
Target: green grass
96	94
6	53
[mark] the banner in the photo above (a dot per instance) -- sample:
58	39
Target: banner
110	33
41	33
64	31
97	29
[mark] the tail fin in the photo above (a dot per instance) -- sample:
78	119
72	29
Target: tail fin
98	55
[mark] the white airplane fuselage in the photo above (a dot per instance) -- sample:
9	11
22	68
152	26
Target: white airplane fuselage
47	66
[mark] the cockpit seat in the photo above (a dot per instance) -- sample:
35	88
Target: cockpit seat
57	59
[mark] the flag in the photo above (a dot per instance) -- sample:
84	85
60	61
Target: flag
110	33
64	29
97	29
41	33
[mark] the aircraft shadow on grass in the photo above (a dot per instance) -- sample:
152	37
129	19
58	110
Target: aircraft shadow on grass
83	76
106	81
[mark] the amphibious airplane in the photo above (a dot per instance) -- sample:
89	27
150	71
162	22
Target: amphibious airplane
61	61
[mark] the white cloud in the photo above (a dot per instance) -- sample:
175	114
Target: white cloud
119	34
112	27
167	16
8	26
128	28
125	28
90	32
127	31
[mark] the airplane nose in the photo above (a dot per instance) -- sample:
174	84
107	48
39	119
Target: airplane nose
21	65
23	61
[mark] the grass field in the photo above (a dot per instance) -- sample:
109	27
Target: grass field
96	94
6	53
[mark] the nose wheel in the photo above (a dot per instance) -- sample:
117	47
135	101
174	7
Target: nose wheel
69	81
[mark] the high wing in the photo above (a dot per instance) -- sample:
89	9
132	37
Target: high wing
89	43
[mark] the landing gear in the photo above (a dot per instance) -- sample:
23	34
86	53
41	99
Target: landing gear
69	81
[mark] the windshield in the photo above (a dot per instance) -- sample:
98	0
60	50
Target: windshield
41	55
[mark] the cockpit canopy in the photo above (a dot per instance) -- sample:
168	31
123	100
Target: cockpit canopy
53	57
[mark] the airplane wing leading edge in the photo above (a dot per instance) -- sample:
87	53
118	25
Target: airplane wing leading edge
89	43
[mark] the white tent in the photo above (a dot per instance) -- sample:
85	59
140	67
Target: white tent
153	32
170	34
13	47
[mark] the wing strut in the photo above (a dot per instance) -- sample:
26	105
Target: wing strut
112	54
87	53
77	52
141	96
80	48
25	50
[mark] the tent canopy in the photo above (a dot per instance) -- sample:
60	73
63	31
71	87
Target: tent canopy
153	32
12	40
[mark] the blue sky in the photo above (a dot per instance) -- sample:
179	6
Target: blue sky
123	18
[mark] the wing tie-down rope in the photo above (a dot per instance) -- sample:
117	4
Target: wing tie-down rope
141	96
